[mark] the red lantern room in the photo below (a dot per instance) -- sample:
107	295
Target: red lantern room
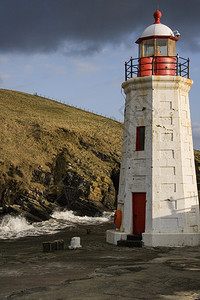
157	49
157	53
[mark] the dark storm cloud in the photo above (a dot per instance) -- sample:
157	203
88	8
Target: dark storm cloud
84	26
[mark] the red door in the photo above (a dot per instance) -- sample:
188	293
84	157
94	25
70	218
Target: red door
139	208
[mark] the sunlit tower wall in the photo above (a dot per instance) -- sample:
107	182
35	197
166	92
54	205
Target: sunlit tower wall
158	196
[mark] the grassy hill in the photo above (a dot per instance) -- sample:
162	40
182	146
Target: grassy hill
51	151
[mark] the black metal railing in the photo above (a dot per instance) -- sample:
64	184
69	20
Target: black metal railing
157	65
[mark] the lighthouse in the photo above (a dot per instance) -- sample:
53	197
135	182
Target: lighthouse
158	200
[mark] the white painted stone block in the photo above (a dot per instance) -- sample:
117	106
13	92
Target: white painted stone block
113	236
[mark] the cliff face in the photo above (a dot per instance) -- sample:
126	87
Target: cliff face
55	155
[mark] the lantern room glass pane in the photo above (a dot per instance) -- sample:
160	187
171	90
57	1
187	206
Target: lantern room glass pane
171	48
148	47
140	50
161	47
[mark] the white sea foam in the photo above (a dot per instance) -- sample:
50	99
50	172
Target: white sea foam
12	227
69	216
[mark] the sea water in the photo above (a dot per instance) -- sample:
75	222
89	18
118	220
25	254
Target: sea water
12	227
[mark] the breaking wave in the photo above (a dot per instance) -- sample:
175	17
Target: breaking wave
12	227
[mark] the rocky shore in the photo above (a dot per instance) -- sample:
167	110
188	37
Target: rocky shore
97	271
60	188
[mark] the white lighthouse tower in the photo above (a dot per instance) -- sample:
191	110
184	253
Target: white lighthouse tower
158	199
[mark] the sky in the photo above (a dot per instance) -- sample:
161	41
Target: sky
74	51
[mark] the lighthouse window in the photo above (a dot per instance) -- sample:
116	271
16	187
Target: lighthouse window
148	48
140	138
161	47
171	48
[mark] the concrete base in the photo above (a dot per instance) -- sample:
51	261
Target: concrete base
171	239
113	236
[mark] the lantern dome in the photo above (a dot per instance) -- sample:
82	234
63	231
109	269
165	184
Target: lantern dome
157	30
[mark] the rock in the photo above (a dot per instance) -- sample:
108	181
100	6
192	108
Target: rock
67	189
30	217
41	209
10	190
42	177
16	210
12	209
35	208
